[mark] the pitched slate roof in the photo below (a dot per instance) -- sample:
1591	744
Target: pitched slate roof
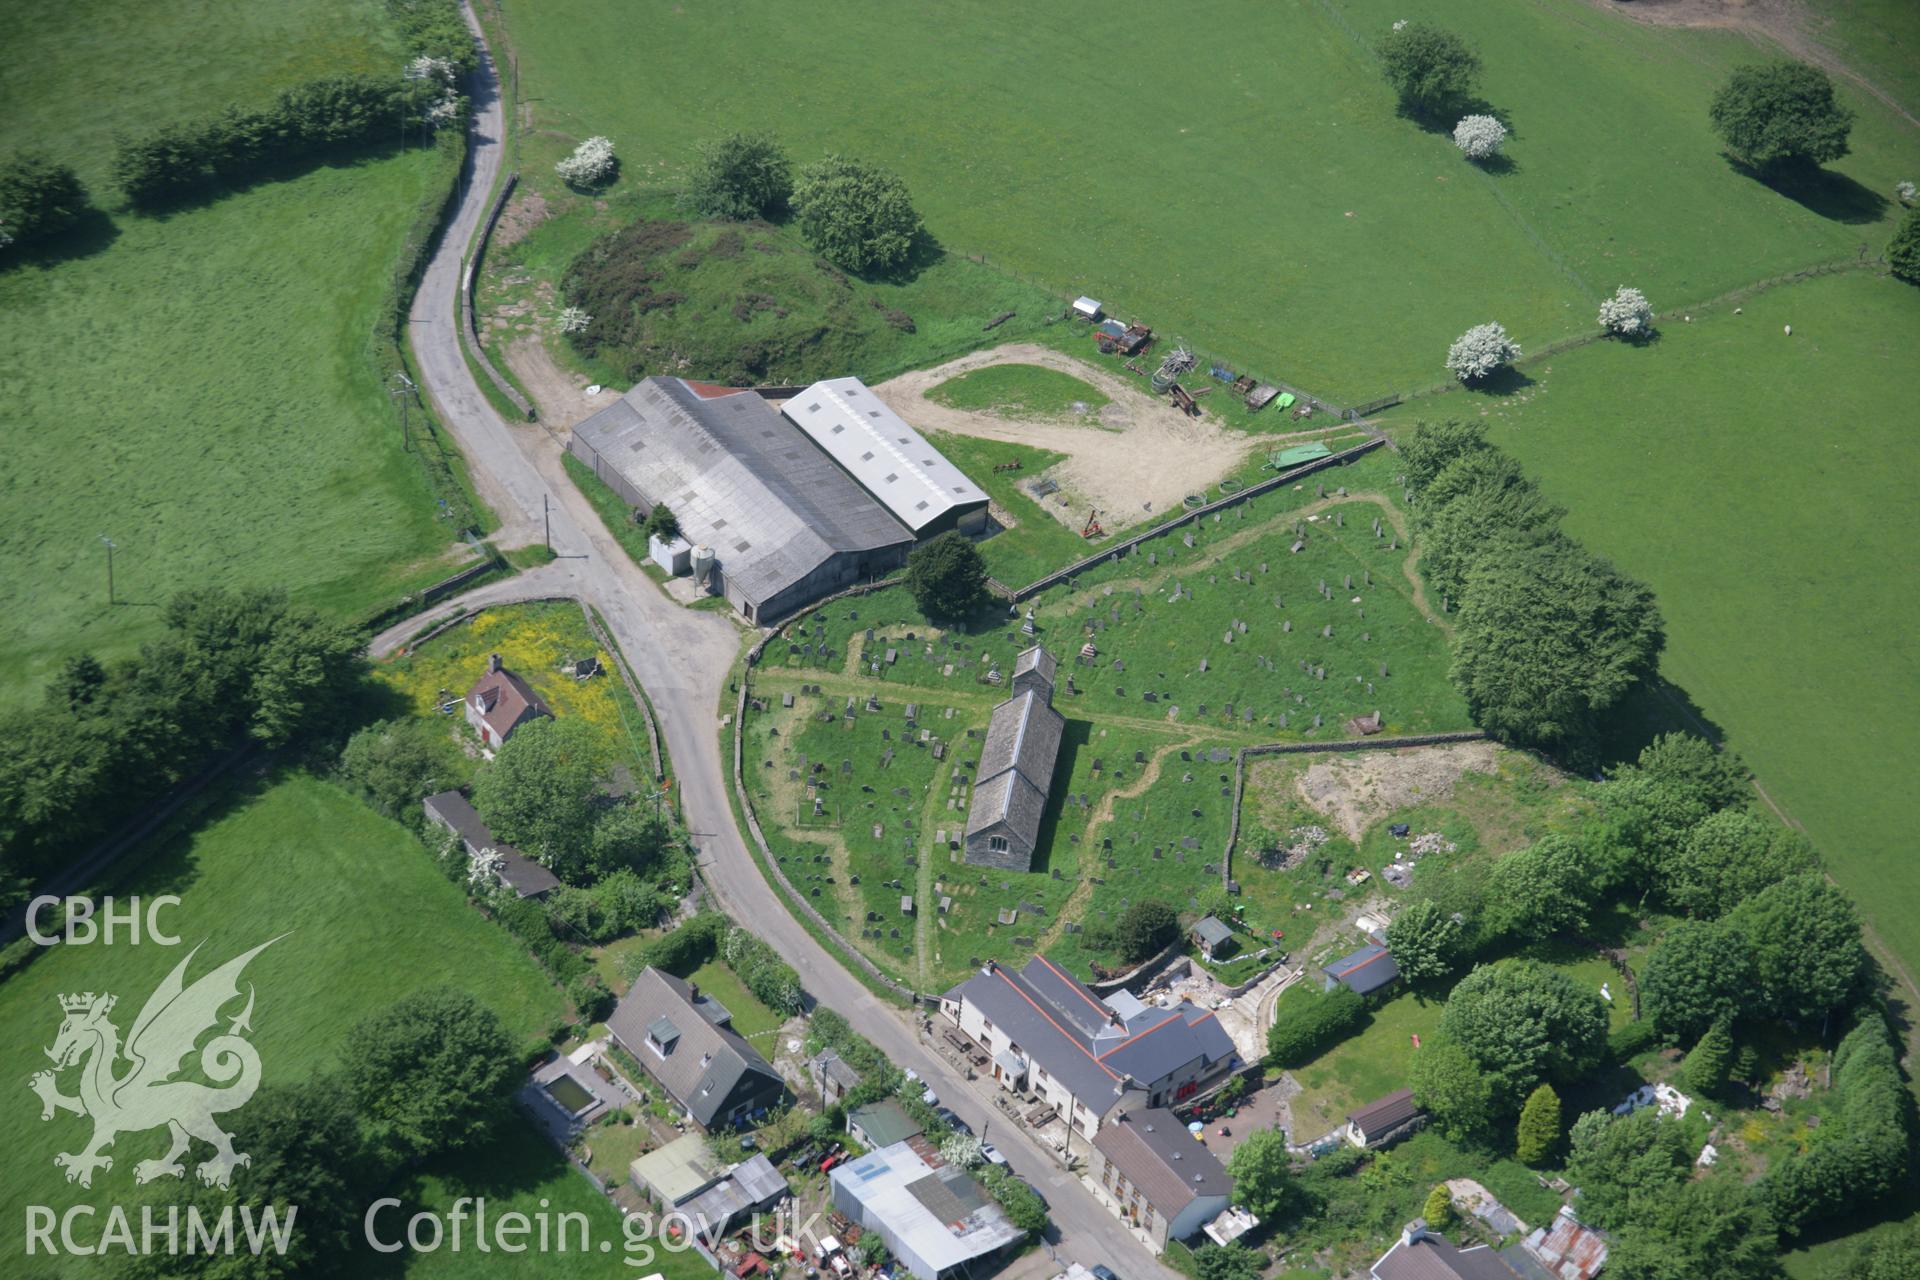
503	698
1157	1154
1368	969
890	459
1385	1114
741	479
1085	1044
1211	931
1038	661
527	878
1435	1258
704	1061
1016	765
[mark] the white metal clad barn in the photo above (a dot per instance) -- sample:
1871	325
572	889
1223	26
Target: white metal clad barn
785	524
891	460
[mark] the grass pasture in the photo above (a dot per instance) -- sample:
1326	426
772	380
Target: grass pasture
367	919
198	386
1020	391
1769	518
1264	200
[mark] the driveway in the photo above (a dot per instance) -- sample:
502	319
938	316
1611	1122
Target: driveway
683	657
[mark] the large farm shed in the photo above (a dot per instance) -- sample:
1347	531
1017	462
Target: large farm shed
891	460
786	525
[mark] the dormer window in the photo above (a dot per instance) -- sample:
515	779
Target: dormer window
662	1035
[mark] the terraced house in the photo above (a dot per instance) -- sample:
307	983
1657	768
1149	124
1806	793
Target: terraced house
1049	1037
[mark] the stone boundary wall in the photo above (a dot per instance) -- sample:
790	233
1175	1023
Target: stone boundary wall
1318	748
1118	549
469	324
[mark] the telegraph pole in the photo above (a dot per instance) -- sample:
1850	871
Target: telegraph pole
109	541
403	392
546	519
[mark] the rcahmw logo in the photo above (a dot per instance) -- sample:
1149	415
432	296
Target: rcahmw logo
145	1094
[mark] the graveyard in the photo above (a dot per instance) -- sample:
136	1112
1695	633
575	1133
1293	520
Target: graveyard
1294	617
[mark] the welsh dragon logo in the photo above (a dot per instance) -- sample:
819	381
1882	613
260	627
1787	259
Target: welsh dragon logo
146	1095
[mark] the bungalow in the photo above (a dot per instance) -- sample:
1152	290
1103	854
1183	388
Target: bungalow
1419	1254
1160	1180
1364	971
501	702
512	869
1384	1119
683	1042
1212	936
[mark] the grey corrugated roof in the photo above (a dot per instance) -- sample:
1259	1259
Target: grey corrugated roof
894	462
703	1064
1157	1155
740	479
1368	969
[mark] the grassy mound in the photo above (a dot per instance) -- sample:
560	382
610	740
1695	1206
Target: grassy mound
1019	391
734	303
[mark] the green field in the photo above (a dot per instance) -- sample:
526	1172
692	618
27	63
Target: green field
1020	391
367	919
199	386
1248	186
1762	485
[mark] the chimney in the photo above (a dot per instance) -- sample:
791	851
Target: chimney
693	993
1413	1233
493	662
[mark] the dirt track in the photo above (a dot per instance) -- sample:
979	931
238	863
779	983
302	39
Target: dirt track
1146	456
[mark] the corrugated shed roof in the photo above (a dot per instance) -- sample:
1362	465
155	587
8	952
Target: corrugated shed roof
894	462
887	1186
1157	1155
740	479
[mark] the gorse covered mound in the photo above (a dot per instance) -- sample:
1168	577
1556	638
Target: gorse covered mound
731	302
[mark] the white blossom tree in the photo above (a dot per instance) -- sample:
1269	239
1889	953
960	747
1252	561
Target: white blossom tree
962	1151
484	867
1479	136
1627	313
590	164
1906	191
1481	351
574	319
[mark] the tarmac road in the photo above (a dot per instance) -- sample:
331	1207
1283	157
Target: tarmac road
683	658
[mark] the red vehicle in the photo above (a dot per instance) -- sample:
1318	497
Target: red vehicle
832	1160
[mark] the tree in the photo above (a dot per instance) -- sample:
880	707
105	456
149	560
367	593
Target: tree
628	837
1549	638
39	196
1232	1261
1450	1086
590	164
1610	1158
1706	1066
1893	1256
1523	1023
1438	1210
538	792
1543	889
1718	779
1481	352
856	215
1538	1132
1903	251
1650	817
1262	1173
1627	313
1804	937
1699	974
1781	116
1025	1209
1433	70
1479	136
1427	450
1479	501
393	764
661	523
743	175
1424	942
431	1073
1729	857
1712	1229
947	576
962	1151
1144	928
1308	1023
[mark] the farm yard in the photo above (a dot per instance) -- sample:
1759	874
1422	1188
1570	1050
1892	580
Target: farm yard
197	387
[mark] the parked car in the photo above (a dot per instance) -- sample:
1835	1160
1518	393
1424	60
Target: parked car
991	1153
1103	1272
